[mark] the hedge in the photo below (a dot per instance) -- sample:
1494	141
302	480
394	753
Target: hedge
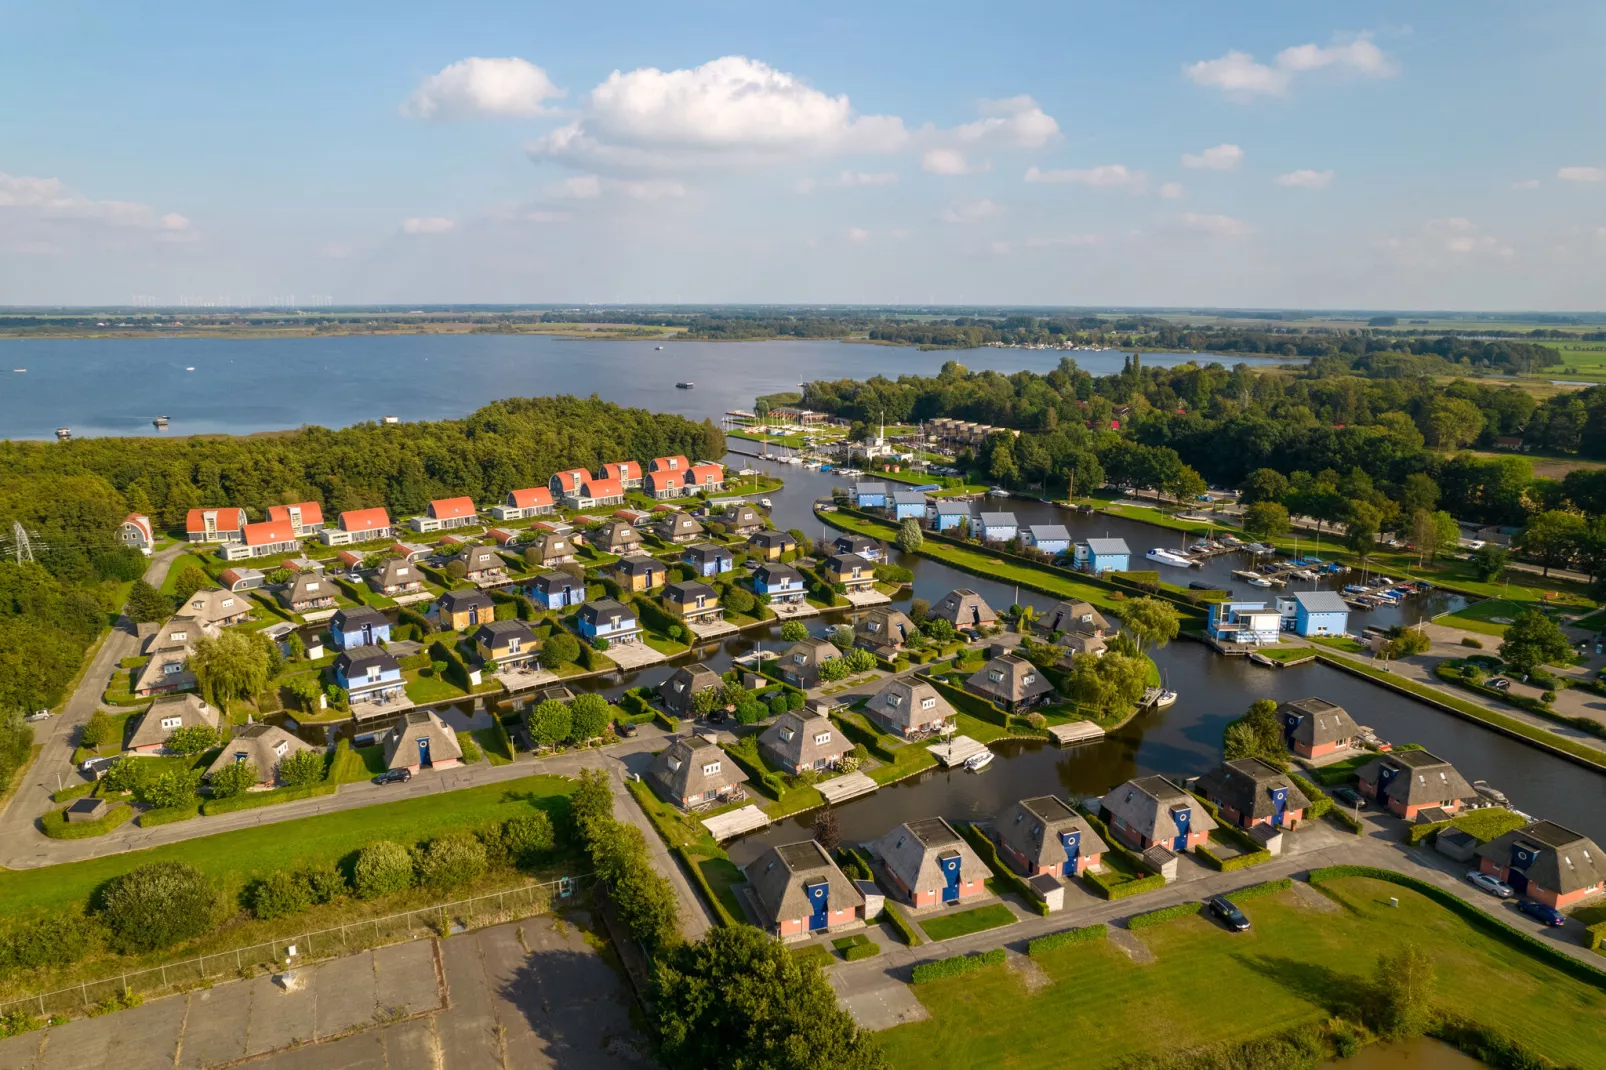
252	799
866	950
1347	819
1067	937
74	791
1124	888
901	924
707	889
1597	934
1320	801
755	768
1255	891
57	827
169	814
869	740
988	852
1164	914
974	705
953	967
420	660
667	721
1236	862
1479	920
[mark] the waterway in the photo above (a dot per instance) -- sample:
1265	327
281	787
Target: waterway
239	386
1420	1053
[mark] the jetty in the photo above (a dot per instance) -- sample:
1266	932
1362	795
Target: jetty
733	823
957	750
843	788
1076	732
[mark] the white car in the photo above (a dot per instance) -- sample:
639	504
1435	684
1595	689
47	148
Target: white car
1492	885
39	715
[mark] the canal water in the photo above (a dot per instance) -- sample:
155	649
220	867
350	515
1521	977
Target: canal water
1419	1053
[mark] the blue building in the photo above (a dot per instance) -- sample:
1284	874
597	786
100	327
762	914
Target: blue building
999	527
1314	613
907	504
1048	538
705	559
781	582
1103	555
1244	622
870	495
369	674
950	515
557	590
359	626
608	619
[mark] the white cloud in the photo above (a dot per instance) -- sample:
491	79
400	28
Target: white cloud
1014	123
1069	241
1106	176
652	189
1462	237
1582	174
971	211
577	187
509	87
545	216
1305	179
1172	191
1239	75
1212	223
1526	183
1001	248
858	235
591	187
949	162
850	179
427	225
803	186
49	198
1220	158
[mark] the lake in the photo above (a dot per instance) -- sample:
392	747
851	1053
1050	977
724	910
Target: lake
239	386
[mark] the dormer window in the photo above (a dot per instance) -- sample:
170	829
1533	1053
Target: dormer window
822	739
995	675
280	747
711	769
227	603
172	722
787	734
928	703
674	765
1029	678
178	637
894	700
799	659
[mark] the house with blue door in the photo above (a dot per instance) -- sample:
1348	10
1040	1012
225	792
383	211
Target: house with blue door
999	527
931	865
1045	836
1547	862
949	515
706	559
557	590
608	619
358	626
1151	811
1314	613
870	495
783	583
370	674
800	891
1249	623
1406	782
421	740
1252	791
908	505
1102	555
1050	539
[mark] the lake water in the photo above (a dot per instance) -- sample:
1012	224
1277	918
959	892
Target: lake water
117	386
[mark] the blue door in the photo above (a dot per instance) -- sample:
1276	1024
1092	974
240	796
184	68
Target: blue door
819	901
367	635
1385	776
423	752
1182	816
1517	873
473	615
1279	798
1072	842
950	874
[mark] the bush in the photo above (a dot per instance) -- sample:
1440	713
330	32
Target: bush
528	838
1476	644
301	768
866	950
279	894
794	631
383	868
560	650
59	939
795	700
777	704
191	740
739	600
325	882
1067	937
591	714
233	780
1165	914
452	859
953	967
97	731
1255	891
901	925
156	905
174	788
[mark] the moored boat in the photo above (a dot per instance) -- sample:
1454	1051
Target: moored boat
1168	557
977	762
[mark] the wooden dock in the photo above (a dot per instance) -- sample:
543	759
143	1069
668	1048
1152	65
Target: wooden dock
1069	735
843	788
734	823
957	750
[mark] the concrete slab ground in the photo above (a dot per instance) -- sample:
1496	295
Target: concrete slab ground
794	610
634	655
867	598
876	1000
711	629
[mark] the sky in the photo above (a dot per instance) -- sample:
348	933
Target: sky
1358	155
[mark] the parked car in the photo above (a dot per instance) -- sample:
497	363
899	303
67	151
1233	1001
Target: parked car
394	776
1486	883
625	729
94	768
39	715
1230	915
1351	798
1543	914
1500	683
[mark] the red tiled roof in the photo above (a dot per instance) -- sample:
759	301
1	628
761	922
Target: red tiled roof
621	470
363	519
530	497
229	518
602	488
446	508
571	480
140	521
269	531
311	512
701	472
662	464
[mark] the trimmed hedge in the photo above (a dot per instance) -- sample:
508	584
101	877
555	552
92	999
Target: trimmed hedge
1255	891
866	950
1231	865
867	739
1107	887
751	764
988	852
1347	819
1320	801
1486	923
1067	937
690	864
57	827
168	815
974	705
953	967
667	721
252	799
901	924
456	670
1164	914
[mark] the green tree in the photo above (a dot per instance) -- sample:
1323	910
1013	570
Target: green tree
157	905
146	604
739	998
1532	640
234	779
551	722
1185	485
192	739
97	731
738	600
450	860
1263	485
1257	734
1266	520
1450	423
1489	561
910	537
1418	491
559	650
190	579
529	838
1402	992
1553	537
383	867
232	665
279	894
1151	621
304	691
794	631
591	715
172	789
302	768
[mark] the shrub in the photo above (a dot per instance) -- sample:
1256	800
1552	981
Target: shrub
750	711
58	939
1255	891
16	1023
125	774
794	631
192	739
953	967
1067	937
528	837
279	894
452	859
1547	697
233	780
174	788
156	905
866	950
1037	720
1156	917
550	723
96	732
325	882
560	650
777	704
383	868
795	700
591	714
905	931
301	768
1476	644
1320	801
739	600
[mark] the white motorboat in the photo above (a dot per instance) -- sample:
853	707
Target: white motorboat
1302	574
190	368
979	761
657	347
1260	659
1167	557
1166	698
1259	581
766	503
998	492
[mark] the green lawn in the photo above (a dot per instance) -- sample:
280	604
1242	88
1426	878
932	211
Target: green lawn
1296	965
948	926
1289	653
233	857
723	877
206	564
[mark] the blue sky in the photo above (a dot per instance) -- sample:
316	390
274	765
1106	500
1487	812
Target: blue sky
1377	155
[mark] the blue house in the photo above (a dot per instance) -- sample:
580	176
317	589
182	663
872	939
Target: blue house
608	619
1050	539
1244	622
369	674
908	504
950	515
359	626
1103	555
781	582
557	590
706	559
1314	613
998	527
870	495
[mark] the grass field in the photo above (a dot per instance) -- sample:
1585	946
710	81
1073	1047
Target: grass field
233	857
948	926
1297	965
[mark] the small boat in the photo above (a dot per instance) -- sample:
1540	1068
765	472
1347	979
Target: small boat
1245	574
1165	699
1302	574
19	371
998	492
657	347
64	433
684	386
1354	588
1260	581
766	503
161	423
977	762
1167	557
1260	659
190	368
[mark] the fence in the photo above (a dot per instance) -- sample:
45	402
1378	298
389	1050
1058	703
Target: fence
441	919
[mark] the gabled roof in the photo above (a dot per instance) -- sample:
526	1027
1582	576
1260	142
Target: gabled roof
554	545
227	518
844	563
903	701
1109	547
311	512
743	516
1246	785
781	876
707	551
617	532
1049	533
912	852
1073	616
1559	859
869	488
1033	827
850	543
396	571
401	742
953	508
1149	805
529	497
769	537
1021	680
458	601
1321	601
680	523
908	497
1422	779
553	582
691	765
1318	721
802	738
479	558
268	532
307	586
364	519
448	508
